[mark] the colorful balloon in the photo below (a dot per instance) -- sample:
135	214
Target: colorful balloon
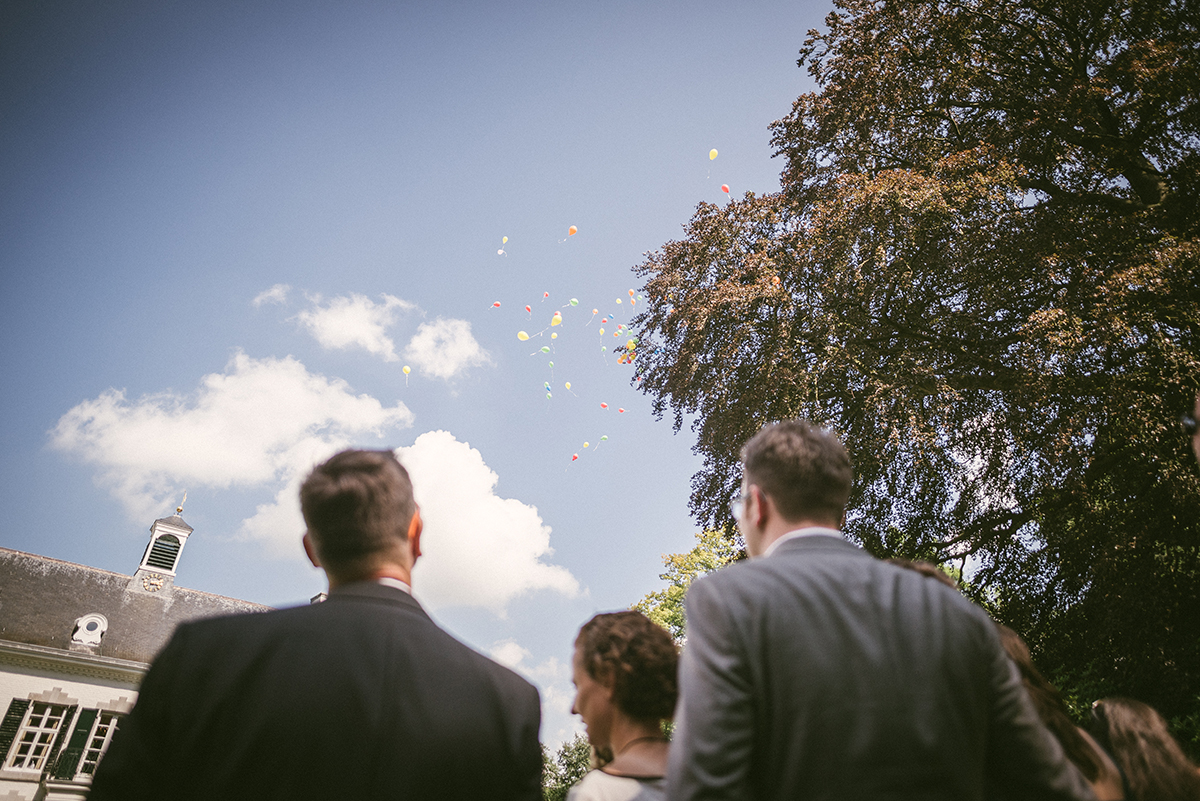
712	154
572	231
725	188
630	344
521	335
547	385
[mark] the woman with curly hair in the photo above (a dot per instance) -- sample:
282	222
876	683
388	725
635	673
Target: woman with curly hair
1154	764
625	671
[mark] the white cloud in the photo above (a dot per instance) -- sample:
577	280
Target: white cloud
478	549
553	679
355	321
261	423
276	294
443	348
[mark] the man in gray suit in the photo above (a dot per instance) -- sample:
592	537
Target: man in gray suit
815	670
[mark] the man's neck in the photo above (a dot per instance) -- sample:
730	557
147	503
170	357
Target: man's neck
398	572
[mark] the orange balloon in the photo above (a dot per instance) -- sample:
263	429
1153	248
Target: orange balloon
572	231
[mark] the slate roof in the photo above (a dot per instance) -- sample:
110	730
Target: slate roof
41	598
176	521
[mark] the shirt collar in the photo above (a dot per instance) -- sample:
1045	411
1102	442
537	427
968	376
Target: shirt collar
394	583
809	531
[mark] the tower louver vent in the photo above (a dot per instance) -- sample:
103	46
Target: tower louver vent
163	553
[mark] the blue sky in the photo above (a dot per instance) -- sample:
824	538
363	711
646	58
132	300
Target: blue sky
227	227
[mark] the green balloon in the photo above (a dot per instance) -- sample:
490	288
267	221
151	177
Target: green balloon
547	396
545	348
603	348
574	301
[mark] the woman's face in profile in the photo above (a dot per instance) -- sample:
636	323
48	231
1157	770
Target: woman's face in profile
593	703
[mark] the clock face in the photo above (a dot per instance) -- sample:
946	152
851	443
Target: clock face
152	583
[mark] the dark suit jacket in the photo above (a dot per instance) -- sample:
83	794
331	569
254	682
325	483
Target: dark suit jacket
361	697
821	672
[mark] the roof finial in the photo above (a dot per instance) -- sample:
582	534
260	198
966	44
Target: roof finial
179	508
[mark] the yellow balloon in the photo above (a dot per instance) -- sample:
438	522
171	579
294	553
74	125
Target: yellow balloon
407	369
601	332
630	344
556	319
586	444
712	154
554	336
521	335
618	300
568	385
504	241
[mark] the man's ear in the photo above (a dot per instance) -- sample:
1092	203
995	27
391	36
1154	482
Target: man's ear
758	511
414	535
310	549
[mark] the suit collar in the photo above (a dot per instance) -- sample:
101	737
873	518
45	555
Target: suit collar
817	544
374	591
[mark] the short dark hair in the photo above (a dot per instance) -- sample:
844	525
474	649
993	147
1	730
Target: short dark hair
803	468
640	659
357	506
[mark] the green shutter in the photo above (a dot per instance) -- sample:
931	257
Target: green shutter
60	738
12	722
68	760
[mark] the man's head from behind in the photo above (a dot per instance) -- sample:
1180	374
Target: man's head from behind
803	469
361	516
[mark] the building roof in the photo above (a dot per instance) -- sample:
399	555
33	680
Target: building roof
41	598
176	521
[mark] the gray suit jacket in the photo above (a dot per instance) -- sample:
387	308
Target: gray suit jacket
823	672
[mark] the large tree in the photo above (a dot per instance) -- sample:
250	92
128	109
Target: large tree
981	271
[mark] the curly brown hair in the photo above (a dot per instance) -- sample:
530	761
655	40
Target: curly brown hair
638	657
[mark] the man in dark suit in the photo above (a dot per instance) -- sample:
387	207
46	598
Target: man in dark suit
360	696
814	670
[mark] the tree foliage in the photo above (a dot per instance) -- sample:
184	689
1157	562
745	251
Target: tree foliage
981	271
713	551
565	768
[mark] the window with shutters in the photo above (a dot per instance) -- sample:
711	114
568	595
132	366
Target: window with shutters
36	736
164	552
98	740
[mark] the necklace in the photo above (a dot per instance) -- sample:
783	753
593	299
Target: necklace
655	737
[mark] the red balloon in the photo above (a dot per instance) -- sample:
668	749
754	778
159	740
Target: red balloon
620	410
529	308
545	295
725	188
574	456
603	405
604	319
496	305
